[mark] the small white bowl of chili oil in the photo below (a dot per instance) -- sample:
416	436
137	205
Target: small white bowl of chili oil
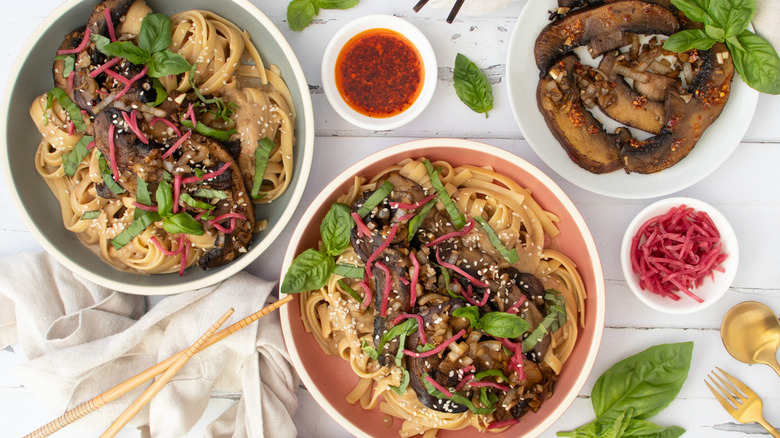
379	72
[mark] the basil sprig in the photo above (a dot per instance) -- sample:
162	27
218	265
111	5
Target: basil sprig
449	205
376	198
510	256
219	134
262	154
498	324
301	12
755	59
152	49
335	229
471	85
74	112
72	159
635	389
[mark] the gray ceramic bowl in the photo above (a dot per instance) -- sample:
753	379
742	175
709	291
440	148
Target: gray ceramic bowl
31	77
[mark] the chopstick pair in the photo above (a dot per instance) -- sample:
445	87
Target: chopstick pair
167	368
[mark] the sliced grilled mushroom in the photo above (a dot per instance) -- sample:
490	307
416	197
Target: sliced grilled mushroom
605	22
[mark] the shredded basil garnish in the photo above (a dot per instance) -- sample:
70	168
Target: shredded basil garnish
194	203
142	196
348	270
224	110
72	159
108	176
401	388
90	215
377	197
70	62
136	228
508	255
262	154
452	209
416	222
352	292
160	92
221	135
71	108
369	350
100	42
457	398
496	373
543	328
407	327
209	193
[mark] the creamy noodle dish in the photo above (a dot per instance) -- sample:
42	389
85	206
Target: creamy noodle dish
442	288
161	135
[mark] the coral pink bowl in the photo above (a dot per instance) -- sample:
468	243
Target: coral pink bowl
330	378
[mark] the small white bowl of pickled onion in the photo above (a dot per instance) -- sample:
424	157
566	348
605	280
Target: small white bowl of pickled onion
667	250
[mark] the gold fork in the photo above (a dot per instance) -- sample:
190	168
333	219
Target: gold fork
738	400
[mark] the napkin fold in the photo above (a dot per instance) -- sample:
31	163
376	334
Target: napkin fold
81	339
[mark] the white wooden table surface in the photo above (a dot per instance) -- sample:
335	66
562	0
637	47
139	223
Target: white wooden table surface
746	189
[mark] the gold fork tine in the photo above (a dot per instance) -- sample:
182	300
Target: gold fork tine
729	390
723	400
742	387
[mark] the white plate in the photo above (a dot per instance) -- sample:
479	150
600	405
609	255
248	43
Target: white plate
713	148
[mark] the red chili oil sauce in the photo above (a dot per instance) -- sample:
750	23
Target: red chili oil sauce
379	73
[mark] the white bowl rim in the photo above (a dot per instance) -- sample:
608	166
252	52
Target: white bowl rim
686	304
436	143
411	33
228	270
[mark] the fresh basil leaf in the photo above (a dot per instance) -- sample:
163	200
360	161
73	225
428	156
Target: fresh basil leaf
758	63
108	176
449	205
72	159
336	228
199	172
488	399
645	429
416	222
182	223
309	271
68	64
194	203
369	350
445	273
221	135
167	63
688	39
426	347
90	215
350	271
401	388
155	33
733	16
647	382
300	13
503	325
209	193
471	85
715	33
510	256
407	327
399	354
74	112
469	312
693	9
129	51
136	228
262	154
164	196
375	199
352	292
160	90
616	428
100	42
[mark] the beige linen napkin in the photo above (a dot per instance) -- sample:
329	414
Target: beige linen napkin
82	339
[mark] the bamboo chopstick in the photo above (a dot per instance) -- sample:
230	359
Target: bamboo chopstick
155	387
121	389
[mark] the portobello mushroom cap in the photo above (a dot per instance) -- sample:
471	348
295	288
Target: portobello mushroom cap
684	122
398	299
629	107
581	135
607	23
